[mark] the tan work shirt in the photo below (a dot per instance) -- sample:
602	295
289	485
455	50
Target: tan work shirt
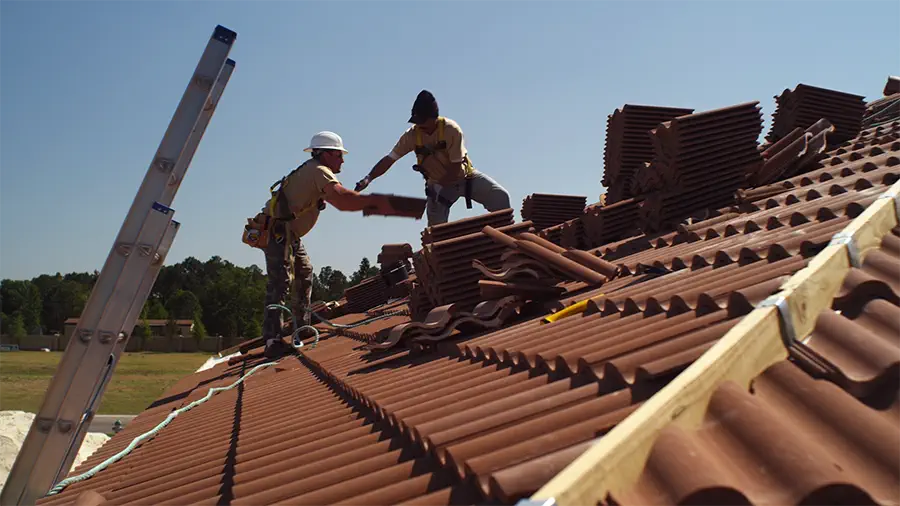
438	166
303	189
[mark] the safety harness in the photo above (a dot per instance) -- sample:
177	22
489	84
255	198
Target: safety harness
258	229
423	151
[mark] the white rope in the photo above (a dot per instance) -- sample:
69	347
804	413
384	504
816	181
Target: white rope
149	434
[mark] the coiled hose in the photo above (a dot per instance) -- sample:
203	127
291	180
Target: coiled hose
297	343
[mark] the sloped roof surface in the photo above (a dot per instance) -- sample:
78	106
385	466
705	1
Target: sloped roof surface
828	420
490	415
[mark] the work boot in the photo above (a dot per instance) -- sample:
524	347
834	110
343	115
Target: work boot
275	349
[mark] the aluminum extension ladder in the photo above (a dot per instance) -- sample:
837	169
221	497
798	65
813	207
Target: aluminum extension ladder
121	290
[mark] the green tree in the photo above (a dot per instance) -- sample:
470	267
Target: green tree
222	298
62	299
252	328
23	297
336	285
329	284
184	305
84	278
17	326
155	310
324	276
365	271
142	329
198	331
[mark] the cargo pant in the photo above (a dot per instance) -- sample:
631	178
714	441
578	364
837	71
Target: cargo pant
284	262
485	191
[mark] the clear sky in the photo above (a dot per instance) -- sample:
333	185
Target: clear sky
87	90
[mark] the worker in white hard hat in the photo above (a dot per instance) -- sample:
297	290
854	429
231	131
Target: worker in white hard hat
297	199
442	159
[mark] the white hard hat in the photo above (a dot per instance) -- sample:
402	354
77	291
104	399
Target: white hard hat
326	140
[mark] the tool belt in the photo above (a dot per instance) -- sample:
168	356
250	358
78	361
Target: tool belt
257	231
273	223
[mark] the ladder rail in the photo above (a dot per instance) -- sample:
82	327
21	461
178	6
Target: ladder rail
104	316
104	380
50	437
149	278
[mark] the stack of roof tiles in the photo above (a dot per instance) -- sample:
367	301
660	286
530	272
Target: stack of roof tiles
881	111
392	254
466	226
488	417
628	145
568	234
435	276
805	105
553	234
573	234
606	223
452	278
369	293
699	161
546	210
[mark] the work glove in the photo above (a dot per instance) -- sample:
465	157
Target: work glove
362	184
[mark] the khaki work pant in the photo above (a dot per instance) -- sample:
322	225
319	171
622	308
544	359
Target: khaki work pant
284	262
485	191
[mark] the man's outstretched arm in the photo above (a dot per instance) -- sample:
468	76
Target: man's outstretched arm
377	171
345	199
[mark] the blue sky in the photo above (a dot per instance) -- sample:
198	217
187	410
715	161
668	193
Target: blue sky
87	90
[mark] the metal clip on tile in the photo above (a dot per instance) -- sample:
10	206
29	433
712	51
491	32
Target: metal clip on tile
788	334
845	239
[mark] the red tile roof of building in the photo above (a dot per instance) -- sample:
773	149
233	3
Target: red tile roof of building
484	405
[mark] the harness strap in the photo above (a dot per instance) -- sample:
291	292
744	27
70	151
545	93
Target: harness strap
422	152
468	193
277	196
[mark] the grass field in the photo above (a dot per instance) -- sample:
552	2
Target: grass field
140	379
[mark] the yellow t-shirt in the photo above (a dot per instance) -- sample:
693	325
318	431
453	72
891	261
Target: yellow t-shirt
303	189
438	165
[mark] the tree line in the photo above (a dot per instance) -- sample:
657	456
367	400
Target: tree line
223	299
